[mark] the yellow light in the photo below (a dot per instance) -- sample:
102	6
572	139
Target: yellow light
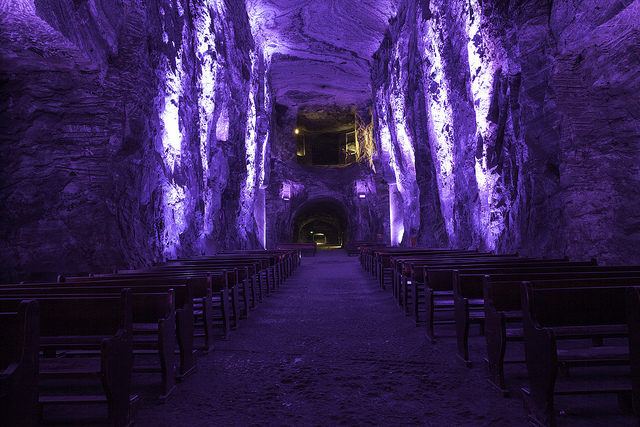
297	131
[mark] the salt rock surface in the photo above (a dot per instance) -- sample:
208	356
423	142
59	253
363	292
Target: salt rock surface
321	49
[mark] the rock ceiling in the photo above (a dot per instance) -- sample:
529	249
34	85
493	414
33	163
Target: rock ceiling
321	49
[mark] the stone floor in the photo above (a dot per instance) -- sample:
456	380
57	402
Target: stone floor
330	348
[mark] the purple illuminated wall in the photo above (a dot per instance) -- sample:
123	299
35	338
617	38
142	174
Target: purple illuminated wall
131	131
525	112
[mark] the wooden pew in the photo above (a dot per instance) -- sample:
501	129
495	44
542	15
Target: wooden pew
87	323
354	247
382	260
262	270
240	277
405	269
409	274
183	293
308	249
19	365
633	319
503	310
201	323
154	323
553	314
288	258
438	284
468	290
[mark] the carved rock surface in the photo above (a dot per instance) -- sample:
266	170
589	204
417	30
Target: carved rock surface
131	131
531	114
321	49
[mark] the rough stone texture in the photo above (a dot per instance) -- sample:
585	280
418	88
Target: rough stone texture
114	152
132	130
365	218
532	117
321	49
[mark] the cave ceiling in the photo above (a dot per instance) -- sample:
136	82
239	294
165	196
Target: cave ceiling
321	50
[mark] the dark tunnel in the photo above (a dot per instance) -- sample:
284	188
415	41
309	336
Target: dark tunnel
323	221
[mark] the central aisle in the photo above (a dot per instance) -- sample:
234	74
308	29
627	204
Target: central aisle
329	347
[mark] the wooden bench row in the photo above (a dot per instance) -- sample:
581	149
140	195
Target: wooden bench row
304	249
559	300
354	247
166	308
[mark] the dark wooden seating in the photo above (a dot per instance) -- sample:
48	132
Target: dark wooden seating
382	260
503	310
203	318
469	291
633	320
308	249
438	284
354	247
240	277
102	324
554	314
19	365
182	290
152	311
158	326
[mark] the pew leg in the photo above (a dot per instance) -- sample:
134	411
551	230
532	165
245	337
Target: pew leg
461	308
235	306
260	285
166	351
430	310
207	318
226	313
267	281
253	292
117	365
542	368
407	296
245	299
414	295
394	291
496	337
184	335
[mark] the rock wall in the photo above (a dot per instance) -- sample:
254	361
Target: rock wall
131	131
529	111
340	186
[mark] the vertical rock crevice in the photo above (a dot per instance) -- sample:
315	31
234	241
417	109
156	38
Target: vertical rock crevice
524	123
132	131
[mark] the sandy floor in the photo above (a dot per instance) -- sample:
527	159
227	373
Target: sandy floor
330	348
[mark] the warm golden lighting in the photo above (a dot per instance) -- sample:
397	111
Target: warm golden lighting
297	131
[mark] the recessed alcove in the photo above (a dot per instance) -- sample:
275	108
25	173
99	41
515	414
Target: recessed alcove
322	216
326	137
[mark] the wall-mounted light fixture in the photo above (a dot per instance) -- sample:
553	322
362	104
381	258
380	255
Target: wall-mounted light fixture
297	131
285	192
361	189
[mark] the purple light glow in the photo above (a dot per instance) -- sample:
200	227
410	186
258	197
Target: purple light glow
363	187
285	191
174	218
440	124
483	68
174	196
248	191
206	101
396	218
170	114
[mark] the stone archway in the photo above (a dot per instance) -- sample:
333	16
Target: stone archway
323	220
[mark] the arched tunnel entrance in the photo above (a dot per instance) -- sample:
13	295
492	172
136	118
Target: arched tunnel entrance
323	221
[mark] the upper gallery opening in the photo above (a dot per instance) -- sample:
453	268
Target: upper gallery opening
326	137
